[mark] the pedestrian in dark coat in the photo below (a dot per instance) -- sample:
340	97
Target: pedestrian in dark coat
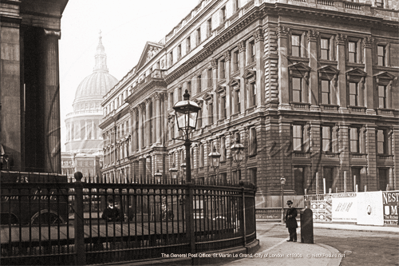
290	220
111	213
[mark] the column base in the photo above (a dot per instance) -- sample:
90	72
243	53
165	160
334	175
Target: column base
371	112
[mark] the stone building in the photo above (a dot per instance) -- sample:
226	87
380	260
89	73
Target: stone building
29	85
84	143
309	87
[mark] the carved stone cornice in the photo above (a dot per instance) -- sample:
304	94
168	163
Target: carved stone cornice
255	14
282	32
258	35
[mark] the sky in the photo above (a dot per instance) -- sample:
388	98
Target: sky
126	25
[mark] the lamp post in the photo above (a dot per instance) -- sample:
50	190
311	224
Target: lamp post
186	117
282	182
183	169
237	150
173	172
214	158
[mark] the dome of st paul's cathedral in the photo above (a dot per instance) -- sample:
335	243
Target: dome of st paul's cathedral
92	89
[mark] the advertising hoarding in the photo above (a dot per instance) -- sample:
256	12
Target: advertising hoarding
390	201
344	207
369	208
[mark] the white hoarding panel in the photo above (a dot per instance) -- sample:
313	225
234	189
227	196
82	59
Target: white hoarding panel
370	208
344	207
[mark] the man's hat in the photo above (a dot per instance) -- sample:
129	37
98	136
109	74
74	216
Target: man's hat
289	201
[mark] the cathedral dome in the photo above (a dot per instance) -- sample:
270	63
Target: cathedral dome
92	89
94	86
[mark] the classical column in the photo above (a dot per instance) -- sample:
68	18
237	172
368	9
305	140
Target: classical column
132	130
313	98
86	130
51	102
341	57
343	140
68	129
12	135
215	81
371	150
93	130
283	77
368	63
227	58
140	129
164	120
260	67
241	50
157	97
147	138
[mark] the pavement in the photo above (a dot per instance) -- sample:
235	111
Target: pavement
276	251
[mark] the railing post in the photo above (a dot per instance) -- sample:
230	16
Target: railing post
190	219
244	222
79	221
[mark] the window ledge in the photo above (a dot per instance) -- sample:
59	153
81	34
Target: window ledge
383	111
250	109
358	155
328	62
297	105
234	116
300	154
298	58
384	156
358	109
329	107
354	64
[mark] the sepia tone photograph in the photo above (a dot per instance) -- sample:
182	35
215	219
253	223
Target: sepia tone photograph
199	132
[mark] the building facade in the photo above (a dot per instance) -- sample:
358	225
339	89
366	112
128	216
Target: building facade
84	143
29	85
308	87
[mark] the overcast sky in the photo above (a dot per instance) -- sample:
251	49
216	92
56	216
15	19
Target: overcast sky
126	26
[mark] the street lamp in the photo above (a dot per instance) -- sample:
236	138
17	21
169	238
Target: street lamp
282	182
237	150
173	172
186	117
214	158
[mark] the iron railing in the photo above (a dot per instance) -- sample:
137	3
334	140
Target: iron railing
47	221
